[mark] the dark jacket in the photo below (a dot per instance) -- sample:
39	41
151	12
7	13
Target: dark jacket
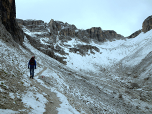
32	63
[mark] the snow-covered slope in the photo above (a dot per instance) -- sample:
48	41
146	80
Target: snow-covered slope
132	51
115	79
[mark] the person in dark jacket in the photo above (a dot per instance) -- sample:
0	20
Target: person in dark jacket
31	66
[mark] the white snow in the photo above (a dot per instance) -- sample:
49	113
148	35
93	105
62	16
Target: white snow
112	52
35	101
7	111
65	108
11	95
44	41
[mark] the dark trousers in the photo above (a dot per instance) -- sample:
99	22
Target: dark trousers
32	71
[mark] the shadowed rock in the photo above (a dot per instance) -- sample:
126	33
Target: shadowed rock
8	17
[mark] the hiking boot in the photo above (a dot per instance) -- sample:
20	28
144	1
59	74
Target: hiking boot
30	76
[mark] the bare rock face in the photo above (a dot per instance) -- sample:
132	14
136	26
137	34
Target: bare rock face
110	34
147	24
135	34
64	28
97	33
33	25
8	17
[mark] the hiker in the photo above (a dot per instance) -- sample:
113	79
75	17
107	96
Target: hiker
31	66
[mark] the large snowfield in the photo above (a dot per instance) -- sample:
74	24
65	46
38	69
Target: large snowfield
82	85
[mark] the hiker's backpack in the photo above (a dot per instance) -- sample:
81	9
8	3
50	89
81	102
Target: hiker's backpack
32	61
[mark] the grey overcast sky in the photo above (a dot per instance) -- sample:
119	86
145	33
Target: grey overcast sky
122	16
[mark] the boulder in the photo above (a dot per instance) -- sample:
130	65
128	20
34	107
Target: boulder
8	17
147	24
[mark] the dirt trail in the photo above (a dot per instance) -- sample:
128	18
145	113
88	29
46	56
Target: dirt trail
53	100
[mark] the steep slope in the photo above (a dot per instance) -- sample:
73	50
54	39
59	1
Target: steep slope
19	94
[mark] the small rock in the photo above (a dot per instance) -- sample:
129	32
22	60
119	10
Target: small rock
19	99
51	102
134	85
137	107
146	78
135	76
120	96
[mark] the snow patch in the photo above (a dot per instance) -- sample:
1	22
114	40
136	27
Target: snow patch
35	101
8	111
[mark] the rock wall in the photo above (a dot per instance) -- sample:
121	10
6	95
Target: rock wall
147	24
64	28
33	25
95	33
8	17
102	35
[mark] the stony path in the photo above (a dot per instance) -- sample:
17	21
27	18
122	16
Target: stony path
53	100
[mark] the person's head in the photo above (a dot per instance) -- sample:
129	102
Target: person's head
33	57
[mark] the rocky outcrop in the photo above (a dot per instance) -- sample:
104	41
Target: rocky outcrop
84	49
111	34
102	35
64	28
95	33
33	25
8	17
135	34
147	24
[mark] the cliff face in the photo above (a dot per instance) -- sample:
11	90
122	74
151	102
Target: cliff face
147	24
100	35
8	18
